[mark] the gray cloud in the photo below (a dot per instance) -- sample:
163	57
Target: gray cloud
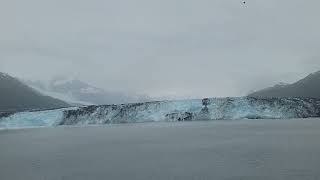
169	47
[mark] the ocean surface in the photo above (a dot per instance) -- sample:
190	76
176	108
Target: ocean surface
208	150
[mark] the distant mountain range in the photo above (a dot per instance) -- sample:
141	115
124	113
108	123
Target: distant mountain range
77	92
16	96
308	87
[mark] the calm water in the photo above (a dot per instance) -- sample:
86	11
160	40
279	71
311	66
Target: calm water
227	150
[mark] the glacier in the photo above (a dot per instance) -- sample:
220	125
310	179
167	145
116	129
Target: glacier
31	119
170	111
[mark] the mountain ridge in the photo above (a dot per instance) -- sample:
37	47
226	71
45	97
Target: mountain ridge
308	87
17	96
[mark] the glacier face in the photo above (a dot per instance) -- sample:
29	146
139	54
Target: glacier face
182	110
191	110
32	119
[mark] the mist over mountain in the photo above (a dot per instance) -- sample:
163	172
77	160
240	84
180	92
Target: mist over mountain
306	87
78	92
16	96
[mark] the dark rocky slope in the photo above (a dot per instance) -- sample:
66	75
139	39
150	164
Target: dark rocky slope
309	87
16	96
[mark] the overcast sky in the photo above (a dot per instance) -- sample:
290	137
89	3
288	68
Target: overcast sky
193	48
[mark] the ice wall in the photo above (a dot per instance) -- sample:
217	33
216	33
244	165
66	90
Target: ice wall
32	119
183	110
192	110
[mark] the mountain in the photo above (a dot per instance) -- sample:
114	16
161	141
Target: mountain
168	111
308	87
77	92
16	96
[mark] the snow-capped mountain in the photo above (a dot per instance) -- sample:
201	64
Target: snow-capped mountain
78	92
16	96
182	110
